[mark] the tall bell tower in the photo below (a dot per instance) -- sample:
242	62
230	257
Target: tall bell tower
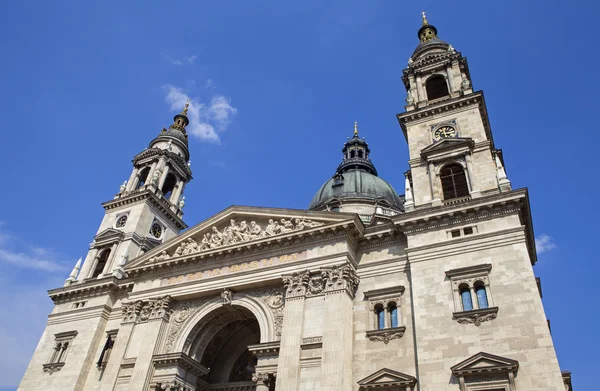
147	210
451	149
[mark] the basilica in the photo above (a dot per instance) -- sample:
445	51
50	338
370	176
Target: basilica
365	289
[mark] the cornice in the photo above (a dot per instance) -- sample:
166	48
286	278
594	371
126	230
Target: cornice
89	288
178	161
145	195
95	312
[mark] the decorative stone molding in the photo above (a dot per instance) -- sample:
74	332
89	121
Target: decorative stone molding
387	379
312	340
385	296
172	386
386	335
226	296
476	316
296	284
176	371
484	369
144	310
341	277
53	367
266	379
235	233
182	311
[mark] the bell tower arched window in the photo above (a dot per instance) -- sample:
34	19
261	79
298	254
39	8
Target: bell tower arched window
169	185
102	259
143	177
454	181
436	87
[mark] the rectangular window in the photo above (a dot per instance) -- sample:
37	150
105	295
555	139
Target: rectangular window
468	230
455	233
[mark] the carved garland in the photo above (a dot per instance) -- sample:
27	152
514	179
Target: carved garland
236	233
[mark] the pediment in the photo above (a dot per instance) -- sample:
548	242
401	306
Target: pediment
108	235
243	227
447	144
485	362
387	378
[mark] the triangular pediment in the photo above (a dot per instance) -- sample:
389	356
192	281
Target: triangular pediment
243	227
108	235
447	144
485	362
387	378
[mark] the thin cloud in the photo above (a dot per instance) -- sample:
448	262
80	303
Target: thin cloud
16	253
544	243
205	121
178	62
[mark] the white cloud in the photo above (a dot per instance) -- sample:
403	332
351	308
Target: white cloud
205	121
178	62
28	256
544	243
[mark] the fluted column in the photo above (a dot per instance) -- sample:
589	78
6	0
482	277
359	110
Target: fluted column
288	369
341	283
156	312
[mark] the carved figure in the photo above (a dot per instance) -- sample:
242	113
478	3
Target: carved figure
286	226
190	246
466	84
216	239
123	187
255	231
451	49
205	244
409	98
182	202
410	60
226	296
272	228
155	176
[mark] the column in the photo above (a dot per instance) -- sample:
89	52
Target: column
421	92
288	369
263	381
432	178
157	311
341	283
131	312
472	179
387	323
163	177
474	298
88	264
176	193
132	178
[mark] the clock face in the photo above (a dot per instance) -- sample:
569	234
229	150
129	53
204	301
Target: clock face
444	131
156	230
121	221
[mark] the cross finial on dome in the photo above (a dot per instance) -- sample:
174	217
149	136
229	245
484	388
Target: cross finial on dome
355	128
425	22
185	109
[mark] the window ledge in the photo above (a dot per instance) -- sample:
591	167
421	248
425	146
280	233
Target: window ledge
476	316
386	335
54	367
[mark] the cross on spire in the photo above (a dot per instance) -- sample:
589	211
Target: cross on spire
425	22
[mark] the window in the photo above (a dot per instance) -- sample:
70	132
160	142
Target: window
393	311
169	185
472	294
143	177
352	154
380	317
454	181
101	263
465	298
436	87
386	319
62	342
79	304
107	349
456	233
360	154
121	220
468	230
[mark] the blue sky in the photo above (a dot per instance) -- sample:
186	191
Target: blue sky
277	87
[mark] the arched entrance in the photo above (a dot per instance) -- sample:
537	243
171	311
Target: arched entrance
220	343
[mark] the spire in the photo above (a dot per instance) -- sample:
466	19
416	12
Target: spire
181	120
355	128
427	32
356	155
74	273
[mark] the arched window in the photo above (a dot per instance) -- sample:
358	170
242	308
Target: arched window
393	309
436	87
360	153
380	317
352	154
465	297
143	177
481	295
169	185
454	181
101	263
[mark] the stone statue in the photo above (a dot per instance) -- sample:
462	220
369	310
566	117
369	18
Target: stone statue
182	202
286	226
189	163
451	49
123	260
466	84
409	98
226	297
255	231
410	60
170	145
123	187
272	228
155	176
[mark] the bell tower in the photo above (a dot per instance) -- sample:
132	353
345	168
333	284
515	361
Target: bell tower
147	210
451	149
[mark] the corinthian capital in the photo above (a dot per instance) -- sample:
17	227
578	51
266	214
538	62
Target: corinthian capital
295	284
341	277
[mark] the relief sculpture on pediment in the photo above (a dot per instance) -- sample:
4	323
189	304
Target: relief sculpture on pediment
235	233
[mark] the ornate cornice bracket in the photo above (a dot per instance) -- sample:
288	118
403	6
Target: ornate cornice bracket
386	335
476	316
341	278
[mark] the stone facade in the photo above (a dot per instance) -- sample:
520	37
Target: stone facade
440	296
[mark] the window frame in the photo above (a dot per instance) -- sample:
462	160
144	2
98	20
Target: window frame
383	299
61	346
471	277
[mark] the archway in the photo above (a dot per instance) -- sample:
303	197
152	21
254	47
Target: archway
221	344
